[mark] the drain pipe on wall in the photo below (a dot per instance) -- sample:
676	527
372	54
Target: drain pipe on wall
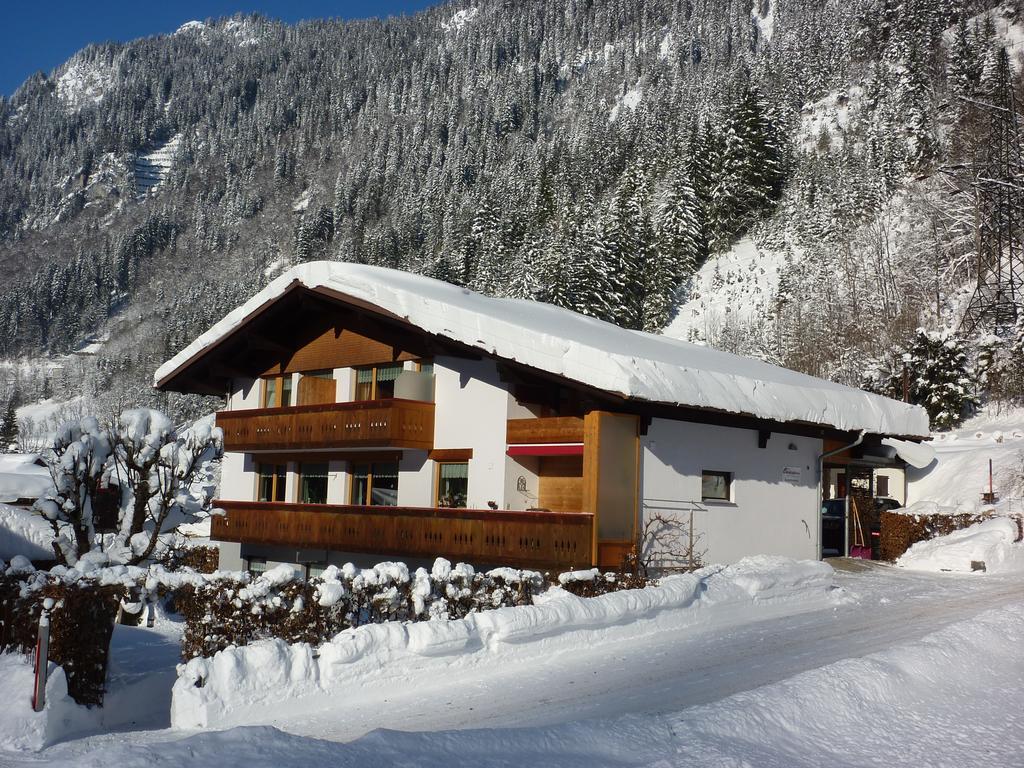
821	481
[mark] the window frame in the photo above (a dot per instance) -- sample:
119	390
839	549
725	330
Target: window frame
374	380
251	561
437	483
729	478
370	472
302	476
279	390
319	564
276	478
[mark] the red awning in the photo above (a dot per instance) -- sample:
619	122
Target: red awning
546	449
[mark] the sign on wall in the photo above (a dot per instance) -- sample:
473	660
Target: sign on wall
791	475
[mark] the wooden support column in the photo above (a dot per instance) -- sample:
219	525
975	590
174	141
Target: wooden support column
611	482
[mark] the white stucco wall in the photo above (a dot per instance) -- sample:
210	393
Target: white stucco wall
527	468
345	379
415	480
237	477
471	411
767	514
245	394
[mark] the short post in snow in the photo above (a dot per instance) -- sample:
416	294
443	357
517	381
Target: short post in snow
42	656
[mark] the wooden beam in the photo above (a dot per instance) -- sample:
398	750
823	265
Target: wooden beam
591	471
450	454
552	429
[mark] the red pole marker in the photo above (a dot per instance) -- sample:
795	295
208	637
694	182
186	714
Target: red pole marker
42	656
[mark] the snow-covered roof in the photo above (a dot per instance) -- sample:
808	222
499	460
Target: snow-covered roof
22	477
633	364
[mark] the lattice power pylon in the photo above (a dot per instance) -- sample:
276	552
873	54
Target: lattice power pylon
998	184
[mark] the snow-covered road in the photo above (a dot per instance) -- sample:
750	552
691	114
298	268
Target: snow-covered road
911	668
664	673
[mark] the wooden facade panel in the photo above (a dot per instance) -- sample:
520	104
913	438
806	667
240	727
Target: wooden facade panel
314	390
383	423
529	539
560	483
339	349
553	429
612	554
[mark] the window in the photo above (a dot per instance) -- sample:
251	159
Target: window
277	391
272	479
425	366
313	570
377	382
716	486
375	484
313	483
452	484
881	485
257	566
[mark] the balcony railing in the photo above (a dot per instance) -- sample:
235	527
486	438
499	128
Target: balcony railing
376	423
528	539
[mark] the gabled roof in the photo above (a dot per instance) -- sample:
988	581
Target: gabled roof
632	364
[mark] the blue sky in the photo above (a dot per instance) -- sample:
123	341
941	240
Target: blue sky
41	34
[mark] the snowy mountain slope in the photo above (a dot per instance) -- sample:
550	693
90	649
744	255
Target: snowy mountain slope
731	289
152	167
352	141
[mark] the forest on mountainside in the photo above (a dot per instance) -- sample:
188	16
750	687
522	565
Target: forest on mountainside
592	154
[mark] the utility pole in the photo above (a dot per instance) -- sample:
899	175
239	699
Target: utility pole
998	185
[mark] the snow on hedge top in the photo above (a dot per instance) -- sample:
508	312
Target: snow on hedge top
631	363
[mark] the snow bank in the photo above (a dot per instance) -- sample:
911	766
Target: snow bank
991	542
22	729
24	533
249	685
599	354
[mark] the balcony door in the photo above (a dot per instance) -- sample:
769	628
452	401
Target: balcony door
317	388
313	483
375	484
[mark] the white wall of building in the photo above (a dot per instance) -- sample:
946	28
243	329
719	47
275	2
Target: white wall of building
471	409
237	477
415	480
525	494
244	395
774	506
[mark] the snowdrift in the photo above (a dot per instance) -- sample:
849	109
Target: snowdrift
250	685
24	533
992	542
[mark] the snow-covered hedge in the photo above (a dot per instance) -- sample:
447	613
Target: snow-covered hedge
903	528
992	545
280	604
87	599
249	685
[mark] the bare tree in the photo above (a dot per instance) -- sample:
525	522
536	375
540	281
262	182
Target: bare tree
664	544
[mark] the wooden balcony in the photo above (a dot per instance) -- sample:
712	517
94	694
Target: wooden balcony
525	539
376	423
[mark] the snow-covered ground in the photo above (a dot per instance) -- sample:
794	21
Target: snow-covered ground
960	473
899	668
